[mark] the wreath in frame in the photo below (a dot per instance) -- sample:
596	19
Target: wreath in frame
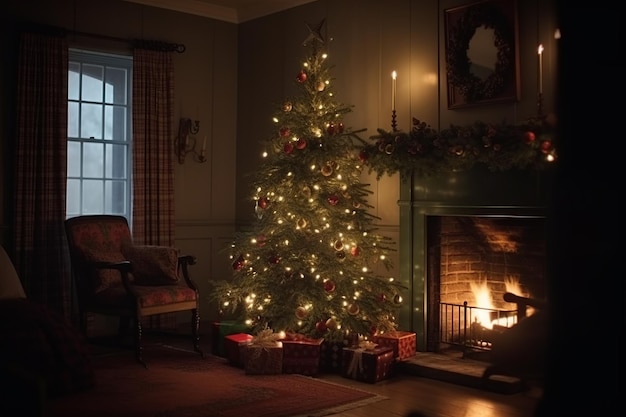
458	69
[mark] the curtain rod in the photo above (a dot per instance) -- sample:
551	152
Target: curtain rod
139	43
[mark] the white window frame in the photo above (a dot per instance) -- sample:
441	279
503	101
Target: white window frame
101	172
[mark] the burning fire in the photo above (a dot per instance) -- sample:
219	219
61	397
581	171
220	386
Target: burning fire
483	297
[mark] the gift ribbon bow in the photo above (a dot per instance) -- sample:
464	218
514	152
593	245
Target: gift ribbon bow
356	364
265	338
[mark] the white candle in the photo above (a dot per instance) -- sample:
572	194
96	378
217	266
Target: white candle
540	52
394	75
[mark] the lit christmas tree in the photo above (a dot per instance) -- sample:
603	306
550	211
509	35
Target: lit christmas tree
310	262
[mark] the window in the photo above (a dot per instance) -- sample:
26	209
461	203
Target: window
99	134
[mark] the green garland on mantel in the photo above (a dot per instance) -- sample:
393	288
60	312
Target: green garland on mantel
426	152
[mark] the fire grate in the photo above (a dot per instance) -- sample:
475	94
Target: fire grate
473	327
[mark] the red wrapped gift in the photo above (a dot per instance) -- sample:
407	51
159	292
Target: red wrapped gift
331	355
263	359
301	355
403	343
367	365
234	345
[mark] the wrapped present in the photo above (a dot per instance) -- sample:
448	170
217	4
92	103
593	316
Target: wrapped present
367	363
234	345
403	343
331	355
221	329
264	354
301	355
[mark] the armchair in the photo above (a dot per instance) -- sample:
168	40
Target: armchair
115	277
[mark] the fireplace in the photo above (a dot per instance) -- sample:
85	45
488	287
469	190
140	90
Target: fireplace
466	239
472	261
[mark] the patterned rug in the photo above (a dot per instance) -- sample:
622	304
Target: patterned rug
180	383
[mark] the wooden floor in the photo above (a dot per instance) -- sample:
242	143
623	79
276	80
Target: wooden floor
426	397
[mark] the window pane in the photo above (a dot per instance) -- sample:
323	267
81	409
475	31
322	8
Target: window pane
115	123
115	197
73	159
72	119
116	86
93	160
72	203
92	82
116	161
93	195
73	86
91	121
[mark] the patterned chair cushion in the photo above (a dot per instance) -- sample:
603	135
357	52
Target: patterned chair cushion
152	265
104	278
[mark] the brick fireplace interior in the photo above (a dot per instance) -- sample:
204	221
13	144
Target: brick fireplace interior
471	262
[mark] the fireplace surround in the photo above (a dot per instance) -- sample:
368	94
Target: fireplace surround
476	226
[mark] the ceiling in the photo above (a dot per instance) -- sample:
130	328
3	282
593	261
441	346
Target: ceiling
234	11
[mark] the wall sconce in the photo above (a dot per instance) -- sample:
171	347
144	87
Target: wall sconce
184	144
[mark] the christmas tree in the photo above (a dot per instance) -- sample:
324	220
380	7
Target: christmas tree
310	263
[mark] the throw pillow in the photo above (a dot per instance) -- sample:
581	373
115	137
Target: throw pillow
152	264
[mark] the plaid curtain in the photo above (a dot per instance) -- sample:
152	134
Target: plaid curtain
153	171
40	170
153	178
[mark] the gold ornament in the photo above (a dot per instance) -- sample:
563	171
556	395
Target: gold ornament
353	309
331	324
301	313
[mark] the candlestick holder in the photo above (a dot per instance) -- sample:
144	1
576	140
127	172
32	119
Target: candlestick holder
394	125
185	144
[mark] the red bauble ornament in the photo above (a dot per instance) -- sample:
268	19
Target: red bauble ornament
382	297
288	148
363	155
329	286
333	200
301	77
529	137
340	128
238	264
546	146
320	326
301	143
260	241
331	128
263	202
284	132
355	251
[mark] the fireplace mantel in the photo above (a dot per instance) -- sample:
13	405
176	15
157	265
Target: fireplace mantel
478	192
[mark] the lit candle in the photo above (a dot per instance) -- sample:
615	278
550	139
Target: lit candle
540	52
394	75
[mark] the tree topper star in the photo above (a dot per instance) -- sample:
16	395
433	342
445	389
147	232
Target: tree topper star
314	33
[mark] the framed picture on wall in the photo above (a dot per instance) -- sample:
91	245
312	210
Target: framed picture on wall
482	64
